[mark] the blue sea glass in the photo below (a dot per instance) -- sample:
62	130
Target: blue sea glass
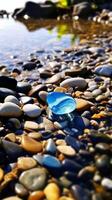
61	103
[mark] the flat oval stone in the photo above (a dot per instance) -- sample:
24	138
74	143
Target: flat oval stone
82	104
65	198
36	195
54	79
25	163
104	70
30	144
51	162
12	99
78	82
9	109
31	125
13	150
52	191
66	150
20	190
31	110
34	179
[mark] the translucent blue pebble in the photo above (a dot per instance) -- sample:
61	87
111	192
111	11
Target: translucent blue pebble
60	103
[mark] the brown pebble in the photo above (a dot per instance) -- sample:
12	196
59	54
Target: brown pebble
11	137
52	191
1	174
36	195
30	144
30	125
25	163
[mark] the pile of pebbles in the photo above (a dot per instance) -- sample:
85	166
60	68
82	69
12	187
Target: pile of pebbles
43	157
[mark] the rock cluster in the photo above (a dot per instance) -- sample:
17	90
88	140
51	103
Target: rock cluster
45	156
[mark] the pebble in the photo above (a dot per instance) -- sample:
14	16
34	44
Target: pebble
70	165
4	92
30	144
23	87
12	198
107	183
34	179
15	123
55	79
82	104
66	150
1	174
26	100
31	110
12	149
11	137
79	192
25	163
9	109
52	191
8	82
78	83
51	162
50	147
12	99
30	125
36	195
104	70
20	190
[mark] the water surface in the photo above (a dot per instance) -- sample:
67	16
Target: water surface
20	38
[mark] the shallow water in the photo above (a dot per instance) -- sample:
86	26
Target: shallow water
20	38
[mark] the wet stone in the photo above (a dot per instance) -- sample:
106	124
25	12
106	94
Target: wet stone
30	144
64	182
103	164
12	198
51	162
1	174
66	150
20	190
36	195
7	82
38	158
70	165
23	87
30	125
13	150
52	191
25	163
12	99
9	109
107	183
34	179
50	147
26	100
31	110
73	142
104	70
29	66
80	83
79	192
